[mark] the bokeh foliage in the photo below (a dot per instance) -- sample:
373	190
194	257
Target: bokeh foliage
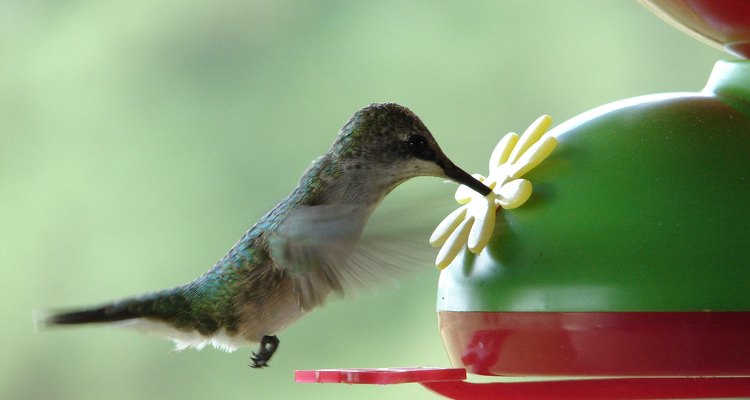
139	139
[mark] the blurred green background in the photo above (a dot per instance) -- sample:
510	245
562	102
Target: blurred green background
140	139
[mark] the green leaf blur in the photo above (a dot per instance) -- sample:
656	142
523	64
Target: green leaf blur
140	139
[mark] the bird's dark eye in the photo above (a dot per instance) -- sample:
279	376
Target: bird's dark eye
417	144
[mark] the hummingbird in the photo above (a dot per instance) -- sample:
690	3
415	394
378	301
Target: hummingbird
298	253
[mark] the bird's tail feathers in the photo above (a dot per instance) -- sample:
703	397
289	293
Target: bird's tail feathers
156	313
101	314
145	306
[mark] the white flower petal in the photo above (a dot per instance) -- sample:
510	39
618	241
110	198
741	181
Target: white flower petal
503	149
481	231
454	244
533	157
447	226
514	193
530	136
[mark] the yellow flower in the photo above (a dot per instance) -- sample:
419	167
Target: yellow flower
473	222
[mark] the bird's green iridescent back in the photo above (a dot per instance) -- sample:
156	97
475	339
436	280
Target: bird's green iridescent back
243	276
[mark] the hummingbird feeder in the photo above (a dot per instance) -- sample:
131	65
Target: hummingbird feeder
626	266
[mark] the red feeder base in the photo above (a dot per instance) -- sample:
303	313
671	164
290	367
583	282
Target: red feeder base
604	344
638	355
597	389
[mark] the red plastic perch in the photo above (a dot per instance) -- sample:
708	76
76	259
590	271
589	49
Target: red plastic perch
450	382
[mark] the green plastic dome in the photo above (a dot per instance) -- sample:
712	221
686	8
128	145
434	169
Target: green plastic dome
643	206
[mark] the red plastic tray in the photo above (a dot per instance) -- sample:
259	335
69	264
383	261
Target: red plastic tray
380	376
450	382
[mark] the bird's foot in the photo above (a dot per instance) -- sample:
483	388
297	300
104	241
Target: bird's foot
268	346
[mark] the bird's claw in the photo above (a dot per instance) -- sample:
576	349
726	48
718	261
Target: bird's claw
268	346
258	361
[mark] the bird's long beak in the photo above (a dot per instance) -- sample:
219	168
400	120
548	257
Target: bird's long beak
457	174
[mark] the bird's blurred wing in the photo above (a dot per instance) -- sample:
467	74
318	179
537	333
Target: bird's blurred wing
321	247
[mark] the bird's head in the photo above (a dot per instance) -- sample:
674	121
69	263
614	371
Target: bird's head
388	142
